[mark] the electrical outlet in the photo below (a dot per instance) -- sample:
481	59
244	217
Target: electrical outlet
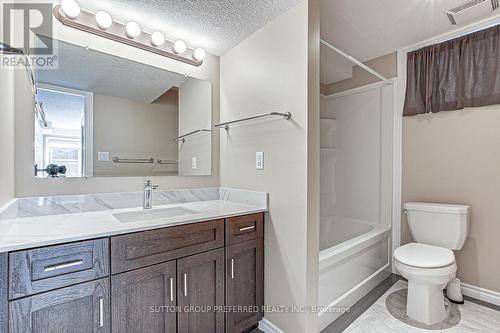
259	160
103	156
194	163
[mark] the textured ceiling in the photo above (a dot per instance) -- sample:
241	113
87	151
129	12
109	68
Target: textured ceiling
367	29
216	25
105	74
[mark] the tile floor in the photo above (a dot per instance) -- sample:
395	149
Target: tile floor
377	319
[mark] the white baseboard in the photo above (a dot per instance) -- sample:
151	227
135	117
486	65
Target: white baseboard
481	294
267	327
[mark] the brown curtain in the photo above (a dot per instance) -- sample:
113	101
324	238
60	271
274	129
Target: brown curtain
459	73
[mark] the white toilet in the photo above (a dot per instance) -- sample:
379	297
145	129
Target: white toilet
429	264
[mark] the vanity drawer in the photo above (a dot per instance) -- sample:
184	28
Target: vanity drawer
147	248
47	268
243	228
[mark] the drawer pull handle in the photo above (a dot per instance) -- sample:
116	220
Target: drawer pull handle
247	228
232	268
185	285
171	289
64	265
101	312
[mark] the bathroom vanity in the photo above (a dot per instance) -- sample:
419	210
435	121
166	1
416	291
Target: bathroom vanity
183	261
193	276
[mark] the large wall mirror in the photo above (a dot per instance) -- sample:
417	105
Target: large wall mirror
99	115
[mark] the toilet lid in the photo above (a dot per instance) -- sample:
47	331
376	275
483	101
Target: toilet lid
425	256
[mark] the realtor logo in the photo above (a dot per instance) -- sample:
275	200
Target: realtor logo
26	38
24	24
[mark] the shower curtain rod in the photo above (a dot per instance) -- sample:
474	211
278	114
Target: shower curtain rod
357	62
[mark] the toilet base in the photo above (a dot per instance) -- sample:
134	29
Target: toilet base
425	303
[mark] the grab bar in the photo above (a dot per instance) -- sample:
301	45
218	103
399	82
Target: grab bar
183	137
167	162
133	160
225	125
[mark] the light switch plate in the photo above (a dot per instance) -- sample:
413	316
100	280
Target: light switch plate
194	163
103	156
259	160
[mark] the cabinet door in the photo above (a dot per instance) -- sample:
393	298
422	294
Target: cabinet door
244	284
82	308
144	300
200	280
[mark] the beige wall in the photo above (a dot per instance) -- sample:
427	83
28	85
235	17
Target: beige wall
134	129
266	72
7	191
27	185
454	157
195	99
387	65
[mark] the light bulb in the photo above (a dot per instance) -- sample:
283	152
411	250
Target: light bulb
70	8
179	47
157	38
103	20
199	54
133	29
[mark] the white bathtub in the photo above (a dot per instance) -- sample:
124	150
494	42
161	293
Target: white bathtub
354	258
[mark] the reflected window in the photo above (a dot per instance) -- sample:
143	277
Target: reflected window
61	131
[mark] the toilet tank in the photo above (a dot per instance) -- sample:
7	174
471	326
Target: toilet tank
438	224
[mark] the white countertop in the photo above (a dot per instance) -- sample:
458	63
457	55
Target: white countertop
30	232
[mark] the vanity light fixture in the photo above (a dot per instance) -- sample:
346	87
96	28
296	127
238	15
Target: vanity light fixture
71	8
180	47
101	24
133	29
157	38
103	20
199	54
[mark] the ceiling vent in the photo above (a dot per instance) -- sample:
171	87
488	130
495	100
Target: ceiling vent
470	10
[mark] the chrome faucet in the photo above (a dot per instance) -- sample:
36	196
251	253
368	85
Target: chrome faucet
148	194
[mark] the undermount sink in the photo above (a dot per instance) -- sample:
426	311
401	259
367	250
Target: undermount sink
153	214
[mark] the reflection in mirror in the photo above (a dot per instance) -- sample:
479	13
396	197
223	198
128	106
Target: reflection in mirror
101	115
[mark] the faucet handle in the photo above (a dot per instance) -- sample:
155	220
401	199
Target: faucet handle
150	183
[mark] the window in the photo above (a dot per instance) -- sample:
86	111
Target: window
63	133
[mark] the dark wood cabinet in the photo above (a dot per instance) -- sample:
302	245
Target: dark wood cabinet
144	300
200	280
4	287
204	277
83	308
244	285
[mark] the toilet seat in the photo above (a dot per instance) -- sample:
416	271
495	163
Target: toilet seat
424	256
